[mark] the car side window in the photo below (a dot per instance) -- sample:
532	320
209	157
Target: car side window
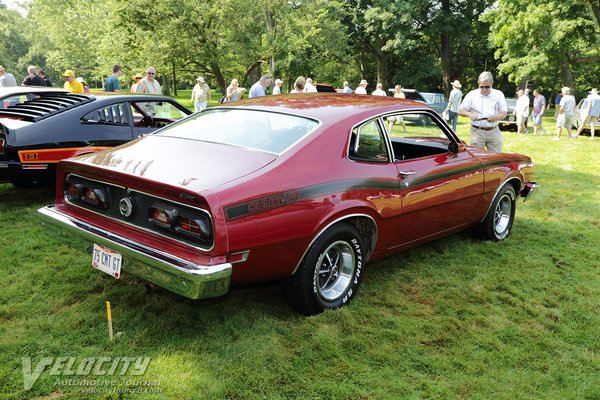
367	143
111	115
415	135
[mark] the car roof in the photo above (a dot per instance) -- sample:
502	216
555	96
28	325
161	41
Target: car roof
15	90
47	106
328	107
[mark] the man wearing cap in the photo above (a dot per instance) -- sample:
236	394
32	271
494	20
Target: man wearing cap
32	78
277	87
149	85
591	113
200	94
258	89
6	78
454	101
362	87
71	83
485	107
112	83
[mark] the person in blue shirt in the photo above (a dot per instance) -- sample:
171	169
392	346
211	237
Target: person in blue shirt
258	89
347	88
112	83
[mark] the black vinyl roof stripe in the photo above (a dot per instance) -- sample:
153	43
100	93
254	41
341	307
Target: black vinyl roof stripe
44	107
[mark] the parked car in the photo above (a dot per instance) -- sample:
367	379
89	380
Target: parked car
37	133
437	101
13	95
510	121
303	189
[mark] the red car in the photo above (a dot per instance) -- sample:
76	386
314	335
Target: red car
300	188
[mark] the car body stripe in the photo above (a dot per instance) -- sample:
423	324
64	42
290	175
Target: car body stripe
45	156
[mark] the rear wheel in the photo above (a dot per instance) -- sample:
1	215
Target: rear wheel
330	273
499	220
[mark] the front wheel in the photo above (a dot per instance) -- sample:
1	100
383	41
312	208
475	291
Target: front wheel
498	222
330	273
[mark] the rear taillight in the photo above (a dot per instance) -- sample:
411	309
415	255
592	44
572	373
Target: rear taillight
161	217
73	191
2	143
189	225
92	194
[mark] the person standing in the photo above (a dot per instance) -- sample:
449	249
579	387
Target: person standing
521	111
6	78
379	91
309	87
565	111
590	113
148	84
347	89
234	92
135	83
71	84
539	106
454	101
298	85
485	107
362	87
200	94
398	94
42	75
112	83
259	88
32	78
277	87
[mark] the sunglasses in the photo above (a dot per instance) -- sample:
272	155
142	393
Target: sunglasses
484	87
150	73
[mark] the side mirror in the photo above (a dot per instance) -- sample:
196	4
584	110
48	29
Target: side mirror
455	148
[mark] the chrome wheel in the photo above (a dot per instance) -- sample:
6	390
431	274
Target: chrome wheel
336	268
503	214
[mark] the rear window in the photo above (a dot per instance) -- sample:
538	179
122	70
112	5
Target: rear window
260	130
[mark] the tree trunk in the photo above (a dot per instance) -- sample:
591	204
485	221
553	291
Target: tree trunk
216	71
567	75
383	75
446	41
165	85
596	8
174	76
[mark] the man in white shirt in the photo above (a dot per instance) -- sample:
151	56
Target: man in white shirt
277	87
149	85
362	87
379	91
309	87
590	113
565	113
485	107
259	88
521	111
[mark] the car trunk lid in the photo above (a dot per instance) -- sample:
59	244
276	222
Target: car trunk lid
190	164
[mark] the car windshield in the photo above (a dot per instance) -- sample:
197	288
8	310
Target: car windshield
260	130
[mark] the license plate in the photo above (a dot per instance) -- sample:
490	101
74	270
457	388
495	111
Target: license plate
106	260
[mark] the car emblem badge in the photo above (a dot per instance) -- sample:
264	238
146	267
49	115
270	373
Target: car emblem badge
125	207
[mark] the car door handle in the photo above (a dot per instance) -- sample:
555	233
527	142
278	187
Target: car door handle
406	173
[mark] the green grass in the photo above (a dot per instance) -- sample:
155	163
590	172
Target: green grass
453	319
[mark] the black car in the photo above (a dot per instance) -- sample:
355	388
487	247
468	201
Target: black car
13	95
36	134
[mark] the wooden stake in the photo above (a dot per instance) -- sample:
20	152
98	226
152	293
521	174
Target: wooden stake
110	329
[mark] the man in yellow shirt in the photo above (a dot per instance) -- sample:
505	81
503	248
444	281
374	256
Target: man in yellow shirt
71	83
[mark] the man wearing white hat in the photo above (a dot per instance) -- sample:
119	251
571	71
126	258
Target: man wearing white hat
454	101
591	113
277	87
362	87
200	94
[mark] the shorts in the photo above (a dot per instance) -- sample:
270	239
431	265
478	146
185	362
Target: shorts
564	121
537	120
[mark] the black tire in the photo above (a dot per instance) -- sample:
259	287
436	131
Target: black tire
330	273
498	222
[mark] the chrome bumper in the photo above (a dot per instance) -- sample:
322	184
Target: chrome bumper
528	189
172	273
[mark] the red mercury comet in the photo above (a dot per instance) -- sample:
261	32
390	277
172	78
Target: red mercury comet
305	189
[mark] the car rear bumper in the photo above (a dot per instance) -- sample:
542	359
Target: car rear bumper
528	189
175	274
14	171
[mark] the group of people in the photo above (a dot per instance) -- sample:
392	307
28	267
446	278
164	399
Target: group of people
34	77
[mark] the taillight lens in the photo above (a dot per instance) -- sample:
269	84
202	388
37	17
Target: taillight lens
2	143
73	191
161	217
194	227
189	225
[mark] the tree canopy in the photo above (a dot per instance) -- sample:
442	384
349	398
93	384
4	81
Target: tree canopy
422	43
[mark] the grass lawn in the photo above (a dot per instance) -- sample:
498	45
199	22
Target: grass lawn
453	319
